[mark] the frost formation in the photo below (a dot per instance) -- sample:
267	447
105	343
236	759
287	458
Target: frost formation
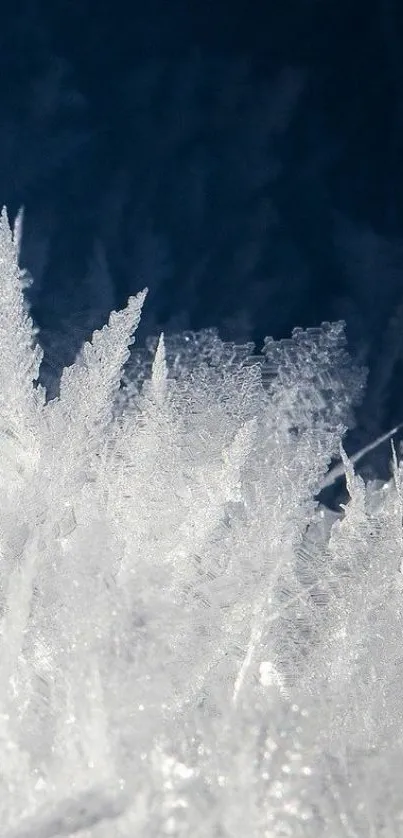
190	645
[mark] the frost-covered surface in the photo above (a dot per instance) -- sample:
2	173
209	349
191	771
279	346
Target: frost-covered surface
190	645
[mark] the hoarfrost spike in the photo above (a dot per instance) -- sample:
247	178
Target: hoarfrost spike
159	374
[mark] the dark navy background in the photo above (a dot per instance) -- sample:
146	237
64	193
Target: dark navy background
243	159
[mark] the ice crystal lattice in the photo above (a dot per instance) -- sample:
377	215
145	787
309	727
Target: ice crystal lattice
191	646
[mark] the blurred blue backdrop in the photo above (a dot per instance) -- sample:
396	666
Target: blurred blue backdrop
242	159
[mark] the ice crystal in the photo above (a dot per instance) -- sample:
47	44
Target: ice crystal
190	645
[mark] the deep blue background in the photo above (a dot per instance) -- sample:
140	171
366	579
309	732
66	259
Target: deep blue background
242	159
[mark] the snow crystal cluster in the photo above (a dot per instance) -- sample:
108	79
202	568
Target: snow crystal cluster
190	645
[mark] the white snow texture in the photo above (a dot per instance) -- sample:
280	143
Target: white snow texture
190	645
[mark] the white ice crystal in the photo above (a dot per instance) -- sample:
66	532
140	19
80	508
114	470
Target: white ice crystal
189	645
